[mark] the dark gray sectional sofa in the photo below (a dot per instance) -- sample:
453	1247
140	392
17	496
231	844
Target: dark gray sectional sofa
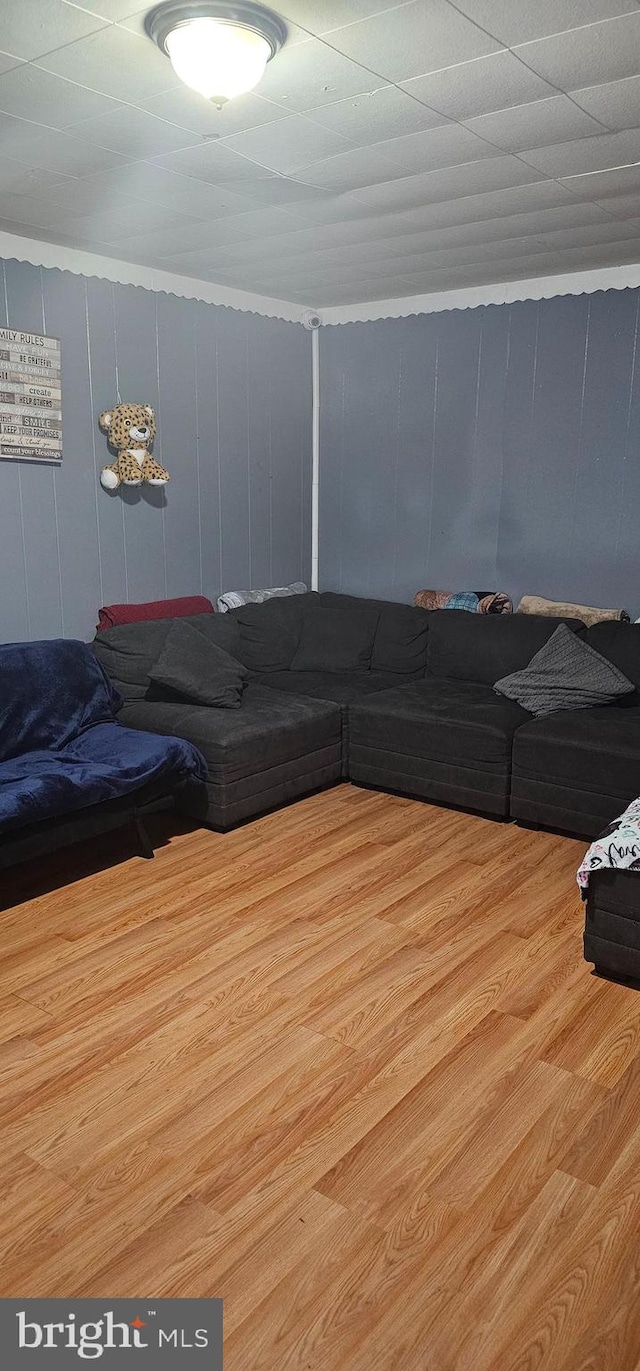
393	697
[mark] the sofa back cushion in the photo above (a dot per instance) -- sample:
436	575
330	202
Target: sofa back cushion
400	643
270	632
620	644
485	647
336	640
129	652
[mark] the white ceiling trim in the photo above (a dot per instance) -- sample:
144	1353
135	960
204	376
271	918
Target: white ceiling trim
41	254
501	293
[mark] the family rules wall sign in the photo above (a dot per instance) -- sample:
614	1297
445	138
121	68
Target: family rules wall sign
30	397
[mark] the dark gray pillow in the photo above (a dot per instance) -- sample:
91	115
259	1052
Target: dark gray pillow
336	640
196	669
565	674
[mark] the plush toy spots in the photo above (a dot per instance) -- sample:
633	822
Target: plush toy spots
131	430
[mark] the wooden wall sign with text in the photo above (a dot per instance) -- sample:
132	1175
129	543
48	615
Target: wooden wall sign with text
30	397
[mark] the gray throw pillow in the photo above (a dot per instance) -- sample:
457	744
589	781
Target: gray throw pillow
564	674
195	669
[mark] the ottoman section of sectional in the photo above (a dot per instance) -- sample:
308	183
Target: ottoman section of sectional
273	749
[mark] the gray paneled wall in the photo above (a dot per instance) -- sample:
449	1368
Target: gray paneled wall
491	447
232	394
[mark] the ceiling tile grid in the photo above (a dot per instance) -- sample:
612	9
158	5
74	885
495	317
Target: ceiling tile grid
389	145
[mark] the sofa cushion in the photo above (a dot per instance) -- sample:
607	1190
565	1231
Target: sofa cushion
485	647
270	728
435	718
335	640
400	643
192	667
129	651
270	632
577	770
565	674
620	644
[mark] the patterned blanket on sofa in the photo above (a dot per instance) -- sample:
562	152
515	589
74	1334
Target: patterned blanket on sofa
618	845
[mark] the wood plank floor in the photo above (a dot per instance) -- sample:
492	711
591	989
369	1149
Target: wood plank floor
344	1067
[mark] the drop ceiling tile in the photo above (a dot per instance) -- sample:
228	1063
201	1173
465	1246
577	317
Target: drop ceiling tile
114	61
19	179
31	93
9	63
59	152
208	236
490	205
288	146
616	104
128	220
496	173
481	86
544	122
500	229
113	10
330	14
32	27
623	206
589	55
331	209
212	162
361	252
279	190
351	170
519	23
35	210
607	254
417	39
601	185
609	232
155	185
191	111
306	77
586	154
376	115
448	146
134	133
367	227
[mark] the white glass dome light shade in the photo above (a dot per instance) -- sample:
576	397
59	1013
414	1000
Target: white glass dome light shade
216	58
219	48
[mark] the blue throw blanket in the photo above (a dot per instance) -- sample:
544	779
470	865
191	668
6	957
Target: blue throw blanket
61	747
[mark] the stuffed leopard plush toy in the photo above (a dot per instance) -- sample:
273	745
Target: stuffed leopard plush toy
131	430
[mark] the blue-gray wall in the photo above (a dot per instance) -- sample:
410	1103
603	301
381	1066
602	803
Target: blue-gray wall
491	447
232	394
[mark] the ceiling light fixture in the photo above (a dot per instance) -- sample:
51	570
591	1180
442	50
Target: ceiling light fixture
219	50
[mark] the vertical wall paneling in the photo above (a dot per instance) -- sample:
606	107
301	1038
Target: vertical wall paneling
290	434
497	446
75	486
232	397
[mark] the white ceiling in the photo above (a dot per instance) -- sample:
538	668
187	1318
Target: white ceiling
390	150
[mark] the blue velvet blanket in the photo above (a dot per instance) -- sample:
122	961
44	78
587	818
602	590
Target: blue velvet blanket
61	746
